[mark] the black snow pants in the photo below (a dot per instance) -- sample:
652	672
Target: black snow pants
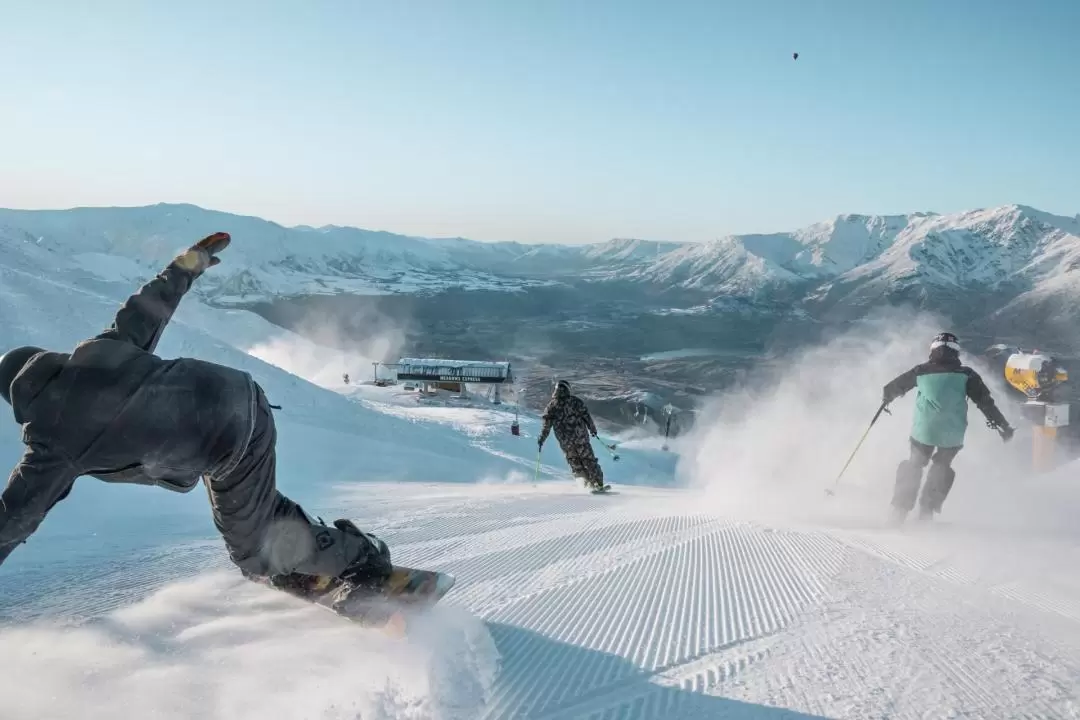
266	533
939	479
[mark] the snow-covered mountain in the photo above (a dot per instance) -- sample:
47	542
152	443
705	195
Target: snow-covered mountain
1011	246
274	261
1007	259
269	260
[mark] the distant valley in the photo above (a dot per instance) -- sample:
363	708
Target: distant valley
604	315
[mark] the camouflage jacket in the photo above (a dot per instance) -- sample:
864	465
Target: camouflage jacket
567	415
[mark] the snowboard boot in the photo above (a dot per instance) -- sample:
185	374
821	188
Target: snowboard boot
367	567
939	481
373	568
906	489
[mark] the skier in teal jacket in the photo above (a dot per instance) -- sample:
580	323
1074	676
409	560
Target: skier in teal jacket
937	433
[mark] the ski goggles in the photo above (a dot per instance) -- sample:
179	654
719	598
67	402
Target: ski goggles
952	345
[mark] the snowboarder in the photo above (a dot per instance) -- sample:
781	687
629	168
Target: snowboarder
937	433
115	411
573	425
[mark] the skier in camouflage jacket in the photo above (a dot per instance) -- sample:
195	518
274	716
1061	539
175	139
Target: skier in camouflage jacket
573	425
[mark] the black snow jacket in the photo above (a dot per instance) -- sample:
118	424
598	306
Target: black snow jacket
113	410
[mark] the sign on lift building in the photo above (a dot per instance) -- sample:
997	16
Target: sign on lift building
453	374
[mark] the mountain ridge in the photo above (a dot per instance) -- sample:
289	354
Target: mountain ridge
1019	256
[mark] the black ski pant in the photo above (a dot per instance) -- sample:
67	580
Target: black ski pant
939	479
266	533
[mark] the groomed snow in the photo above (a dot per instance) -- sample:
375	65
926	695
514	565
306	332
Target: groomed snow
742	593
575	606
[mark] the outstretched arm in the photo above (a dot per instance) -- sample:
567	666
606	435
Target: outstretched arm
38	482
900	385
143	317
549	418
980	395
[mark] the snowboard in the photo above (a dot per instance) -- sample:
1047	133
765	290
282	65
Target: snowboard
387	607
600	491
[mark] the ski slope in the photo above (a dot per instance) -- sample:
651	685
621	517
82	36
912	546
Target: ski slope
667	599
575	606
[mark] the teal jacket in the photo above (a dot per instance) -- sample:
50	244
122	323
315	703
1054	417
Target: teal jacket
941	404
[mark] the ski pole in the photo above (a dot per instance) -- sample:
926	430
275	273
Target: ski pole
609	448
883	408
536	475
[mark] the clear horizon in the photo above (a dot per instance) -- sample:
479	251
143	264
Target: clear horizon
543	123
392	231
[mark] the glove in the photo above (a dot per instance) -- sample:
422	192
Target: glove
202	255
1006	431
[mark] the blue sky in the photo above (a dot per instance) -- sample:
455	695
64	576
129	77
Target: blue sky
561	121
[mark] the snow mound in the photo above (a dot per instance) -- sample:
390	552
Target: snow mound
219	647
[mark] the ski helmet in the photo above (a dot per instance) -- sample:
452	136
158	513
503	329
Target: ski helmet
11	363
945	339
